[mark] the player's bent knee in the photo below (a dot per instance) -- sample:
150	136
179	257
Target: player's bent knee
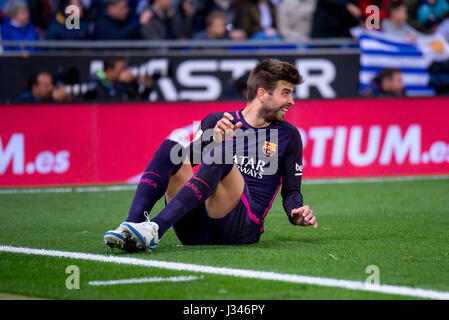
227	195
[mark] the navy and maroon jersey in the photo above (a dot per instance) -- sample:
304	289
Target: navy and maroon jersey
277	160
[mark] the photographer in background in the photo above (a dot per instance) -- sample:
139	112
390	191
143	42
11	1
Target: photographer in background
41	89
107	84
118	82
115	82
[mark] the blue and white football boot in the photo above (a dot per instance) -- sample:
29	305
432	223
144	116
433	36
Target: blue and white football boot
116	238
141	236
144	235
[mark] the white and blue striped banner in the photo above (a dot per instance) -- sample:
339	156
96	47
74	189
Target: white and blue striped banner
379	50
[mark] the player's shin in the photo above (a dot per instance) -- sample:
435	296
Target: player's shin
154	181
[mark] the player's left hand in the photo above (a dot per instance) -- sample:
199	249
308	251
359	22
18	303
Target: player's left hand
304	217
225	128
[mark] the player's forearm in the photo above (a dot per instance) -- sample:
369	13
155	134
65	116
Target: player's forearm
292	200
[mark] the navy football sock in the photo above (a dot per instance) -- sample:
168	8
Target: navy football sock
195	191
154	182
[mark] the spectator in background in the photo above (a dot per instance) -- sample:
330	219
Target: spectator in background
412	13
432	12
236	89
40	15
58	29
334	18
396	23
259	19
160	22
41	89
113	24
133	14
2	4
295	19
16	24
241	85
92	10
114	82
439	76
388	83
443	29
215	28
183	19
231	9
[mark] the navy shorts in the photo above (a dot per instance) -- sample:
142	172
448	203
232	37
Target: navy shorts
241	226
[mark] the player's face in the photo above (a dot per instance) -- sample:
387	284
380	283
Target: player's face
278	102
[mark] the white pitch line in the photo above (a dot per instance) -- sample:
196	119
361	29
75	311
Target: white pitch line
35	190
132	187
142	280
250	274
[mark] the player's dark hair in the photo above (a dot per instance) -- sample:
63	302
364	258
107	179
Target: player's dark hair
267	73
393	5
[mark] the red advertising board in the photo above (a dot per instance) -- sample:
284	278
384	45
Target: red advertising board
112	143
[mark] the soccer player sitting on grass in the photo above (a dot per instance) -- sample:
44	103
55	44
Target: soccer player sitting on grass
244	158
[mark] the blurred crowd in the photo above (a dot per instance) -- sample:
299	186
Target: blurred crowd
299	20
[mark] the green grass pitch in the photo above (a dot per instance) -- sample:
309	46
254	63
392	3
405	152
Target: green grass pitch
401	227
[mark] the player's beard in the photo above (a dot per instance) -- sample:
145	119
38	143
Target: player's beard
271	114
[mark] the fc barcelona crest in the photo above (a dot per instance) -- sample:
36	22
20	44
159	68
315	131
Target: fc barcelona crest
269	148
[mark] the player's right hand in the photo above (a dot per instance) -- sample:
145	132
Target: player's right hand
225	128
